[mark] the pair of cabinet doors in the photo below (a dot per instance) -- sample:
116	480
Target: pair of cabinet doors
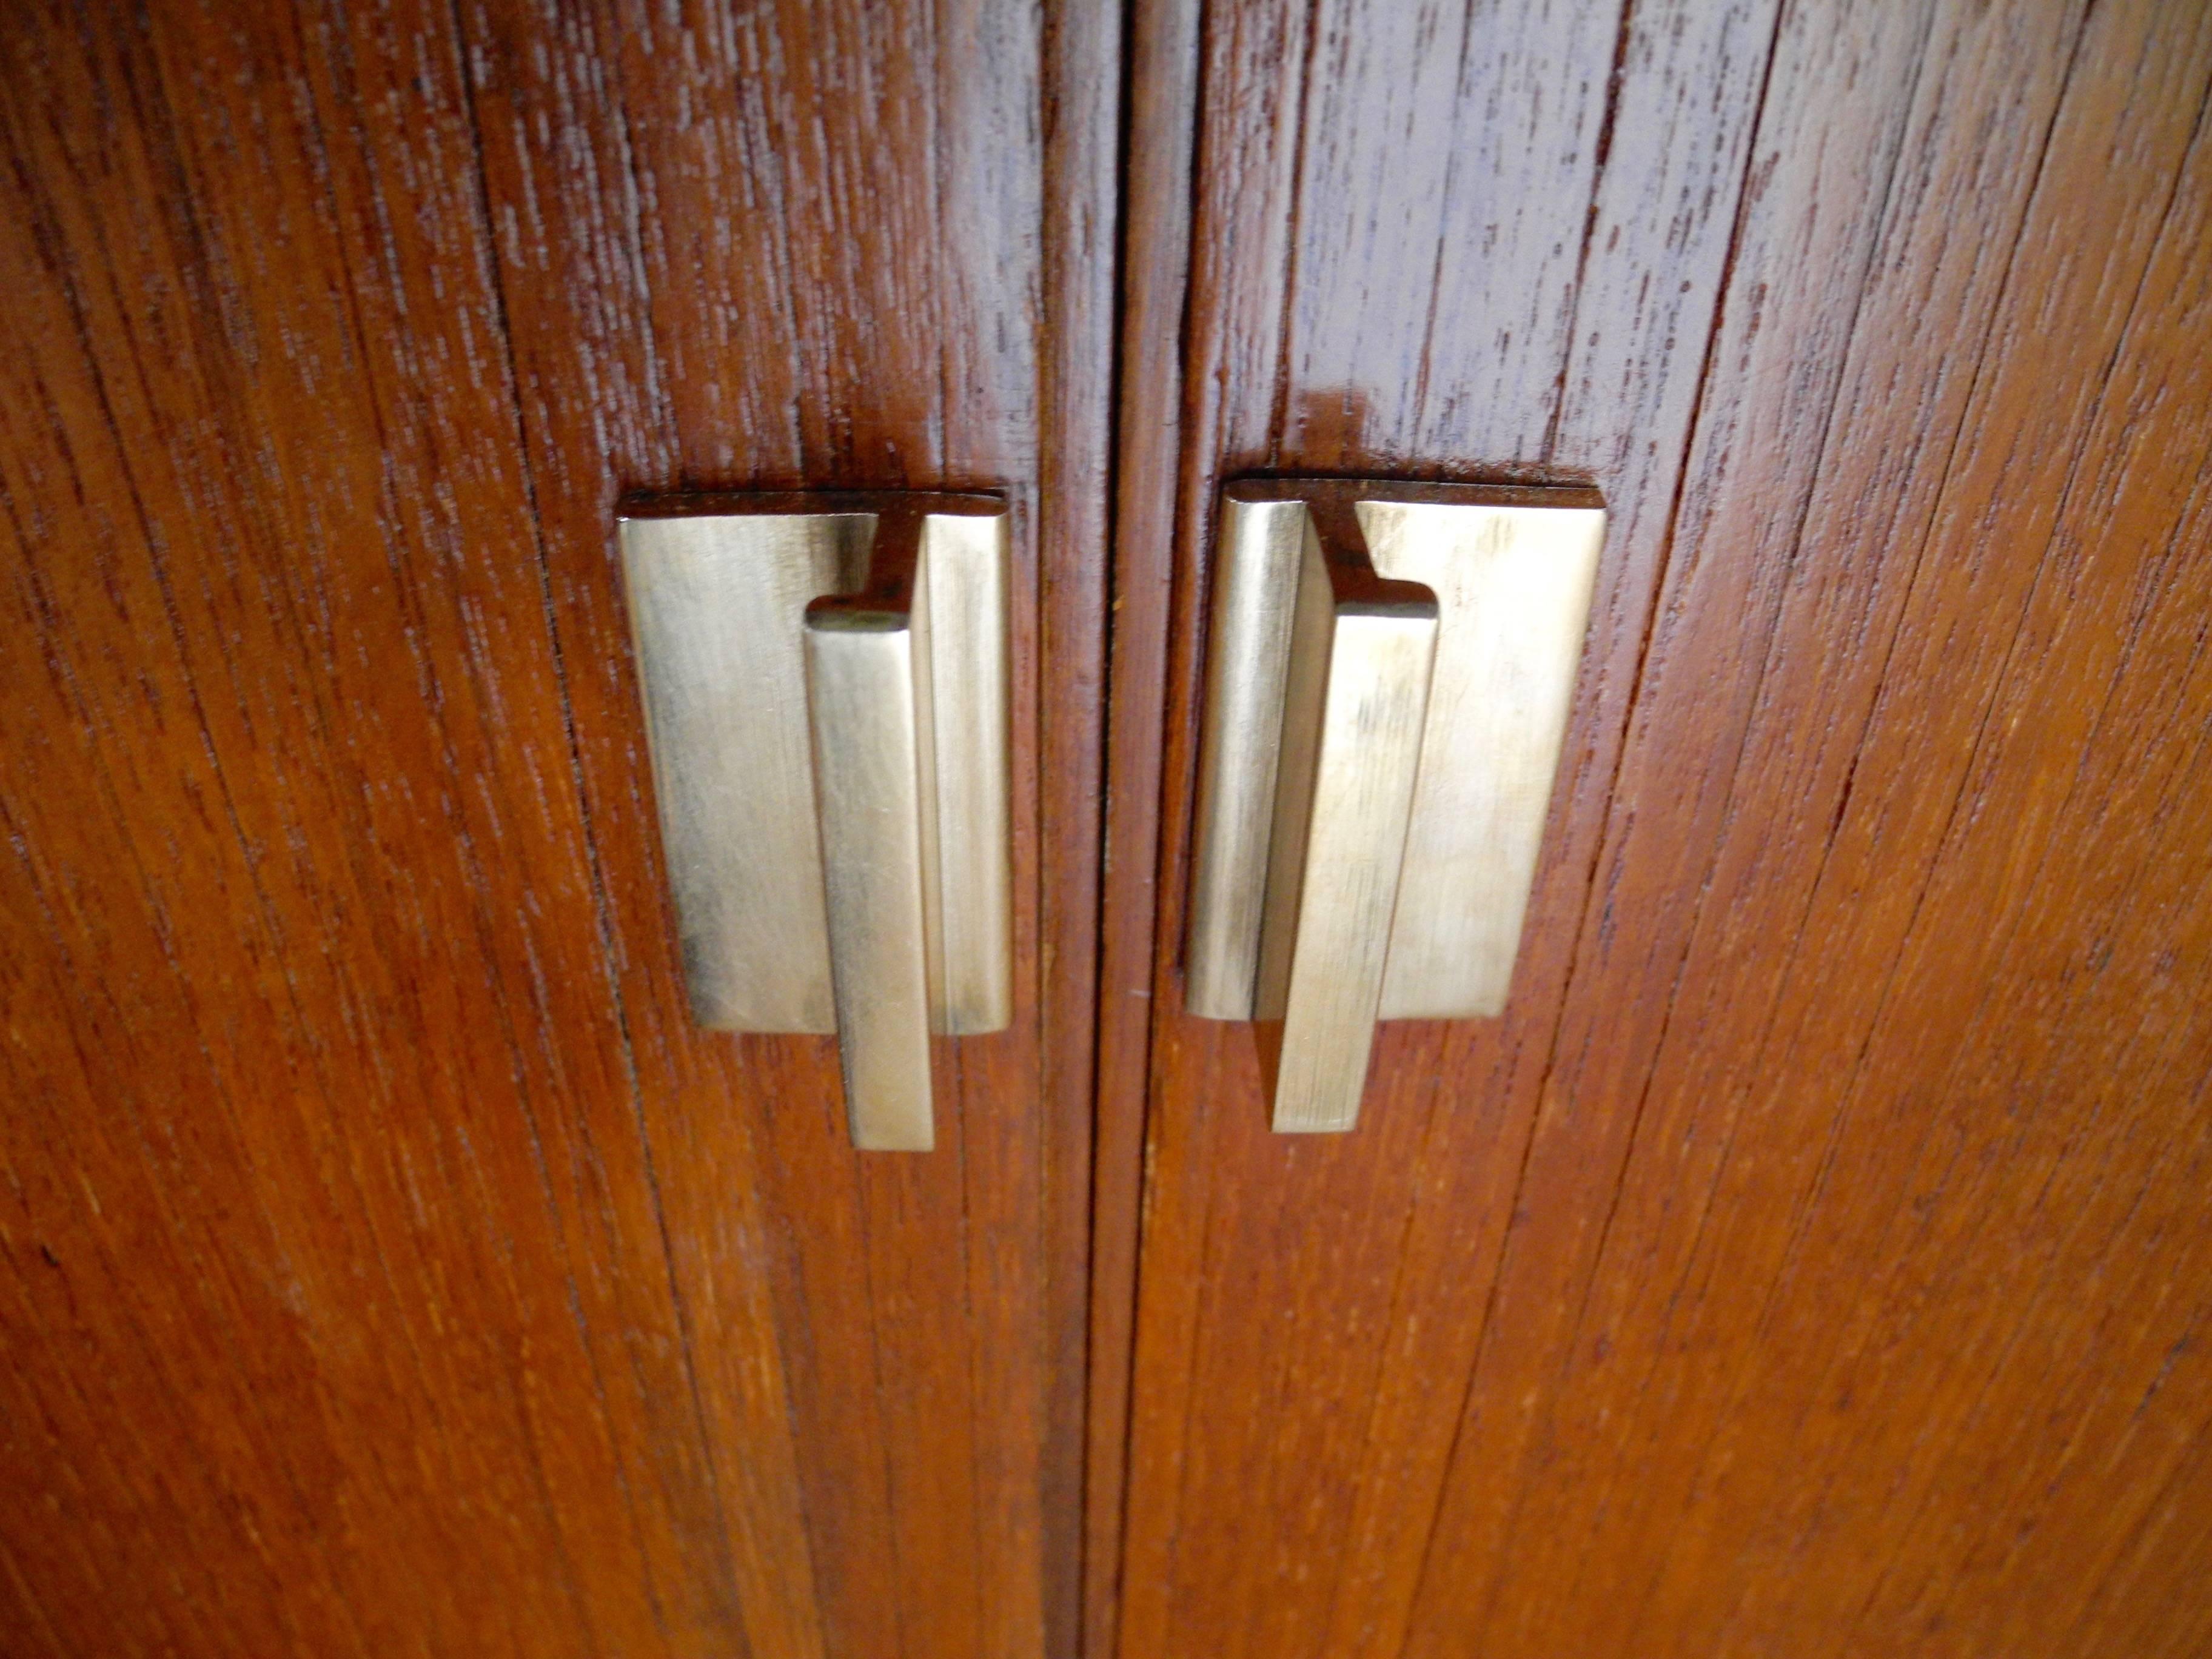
1813	1259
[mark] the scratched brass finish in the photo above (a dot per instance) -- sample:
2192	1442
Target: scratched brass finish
826	698
1314	726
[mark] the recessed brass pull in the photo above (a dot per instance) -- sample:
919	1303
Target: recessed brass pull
825	685
1390	668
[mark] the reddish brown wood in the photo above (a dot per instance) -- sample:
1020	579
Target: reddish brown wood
389	1266
1083	116
1810	1261
1147	457
1946	453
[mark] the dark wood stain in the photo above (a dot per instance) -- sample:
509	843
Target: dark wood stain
390	1267
1812	1261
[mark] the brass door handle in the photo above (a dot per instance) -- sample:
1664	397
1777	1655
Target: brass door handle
825	685
1390	667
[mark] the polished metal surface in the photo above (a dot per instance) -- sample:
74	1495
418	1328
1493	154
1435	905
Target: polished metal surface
1355	684
1510	570
825	682
963	601
718	596
1257	581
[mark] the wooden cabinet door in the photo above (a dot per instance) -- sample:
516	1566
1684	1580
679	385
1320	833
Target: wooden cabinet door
389	1266
1814	1259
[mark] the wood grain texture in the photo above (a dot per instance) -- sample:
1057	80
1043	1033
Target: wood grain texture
1085	82
1811	1260
1159	138
389	1266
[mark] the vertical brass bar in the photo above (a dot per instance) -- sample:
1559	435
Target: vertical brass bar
1357	687
868	703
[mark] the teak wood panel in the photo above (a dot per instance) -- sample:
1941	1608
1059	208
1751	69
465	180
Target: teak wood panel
390	1267
1814	1259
